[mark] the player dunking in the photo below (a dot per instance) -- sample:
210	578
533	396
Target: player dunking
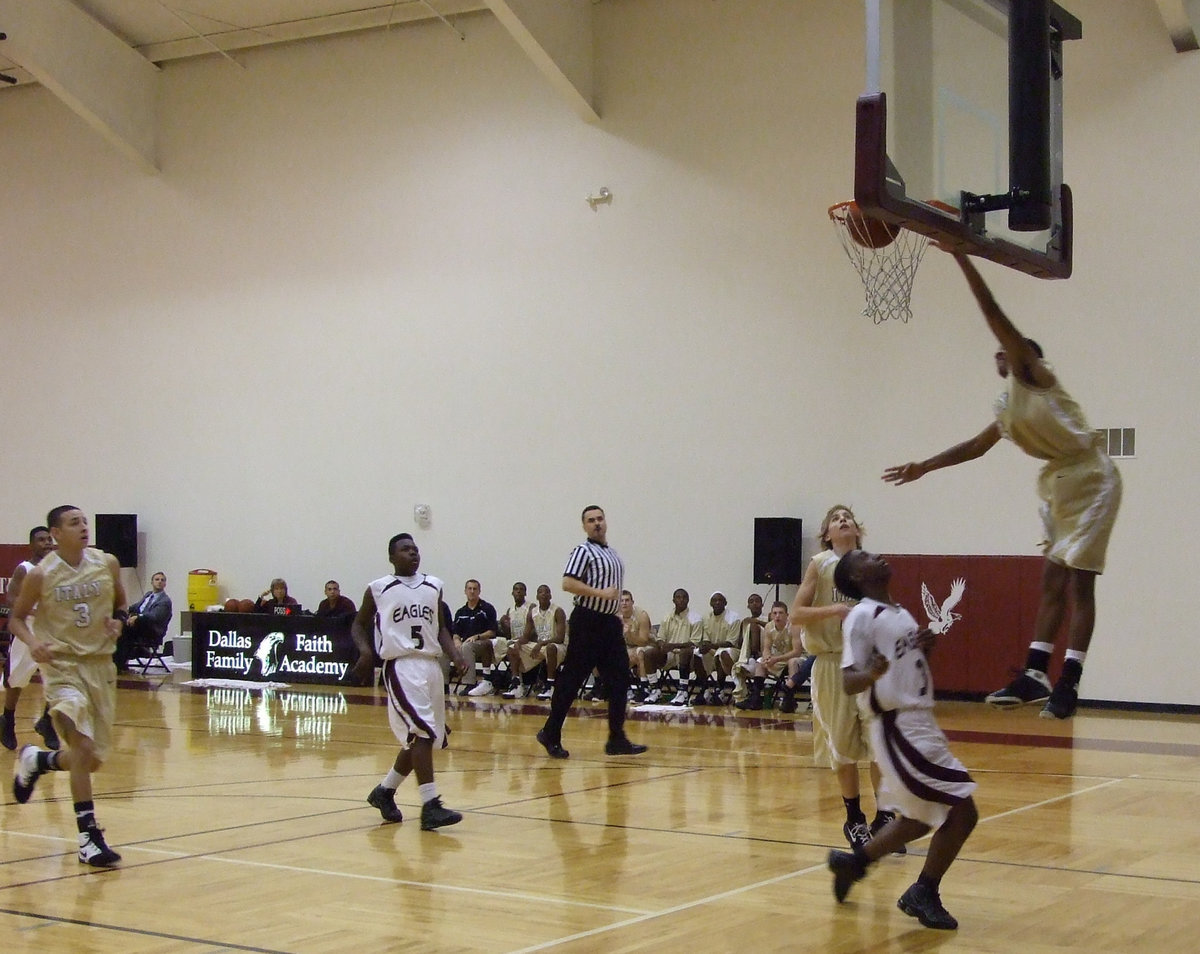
884	666
80	606
404	611
1080	489
20	667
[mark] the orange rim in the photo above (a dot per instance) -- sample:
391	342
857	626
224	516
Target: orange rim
841	209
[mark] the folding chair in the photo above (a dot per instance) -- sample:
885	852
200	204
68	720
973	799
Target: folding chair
153	656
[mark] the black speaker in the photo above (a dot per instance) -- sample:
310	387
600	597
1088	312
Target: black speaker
777	545
116	533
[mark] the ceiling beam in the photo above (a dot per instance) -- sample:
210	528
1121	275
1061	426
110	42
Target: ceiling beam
1182	18
111	87
557	36
289	31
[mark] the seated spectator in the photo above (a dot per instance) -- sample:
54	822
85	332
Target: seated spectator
475	628
799	663
751	647
639	643
721	638
275	600
679	638
335	606
510	629
545	632
768	657
146	626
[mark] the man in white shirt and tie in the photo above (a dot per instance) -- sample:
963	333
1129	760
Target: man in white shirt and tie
147	623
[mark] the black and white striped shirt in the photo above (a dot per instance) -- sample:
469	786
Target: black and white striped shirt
598	566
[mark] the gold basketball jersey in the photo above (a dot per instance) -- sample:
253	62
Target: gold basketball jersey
543	621
1045	423
74	603
825	635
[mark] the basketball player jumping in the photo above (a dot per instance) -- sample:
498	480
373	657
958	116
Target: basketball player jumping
1080	490
20	667
404	610
80	606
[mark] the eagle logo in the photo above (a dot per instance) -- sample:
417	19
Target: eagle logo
940	617
267	653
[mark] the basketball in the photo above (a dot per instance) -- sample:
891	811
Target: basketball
246	606
231	605
869	232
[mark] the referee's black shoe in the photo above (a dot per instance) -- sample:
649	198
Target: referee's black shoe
623	746
553	749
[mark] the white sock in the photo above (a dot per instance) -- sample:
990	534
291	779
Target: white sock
1079	654
392	780
427	792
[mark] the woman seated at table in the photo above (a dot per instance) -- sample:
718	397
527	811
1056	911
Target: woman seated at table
276	600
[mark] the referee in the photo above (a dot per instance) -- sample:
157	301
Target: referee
595	575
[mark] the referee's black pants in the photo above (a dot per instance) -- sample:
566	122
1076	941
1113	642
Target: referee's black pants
597	642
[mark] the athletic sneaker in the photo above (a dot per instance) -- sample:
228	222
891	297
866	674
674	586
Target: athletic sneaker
93	850
435	815
857	833
881	819
464	690
1063	701
680	698
1030	686
546	693
26	773
8	734
519	691
45	728
712	698
385	800
483	688
846	868
924	904
654	696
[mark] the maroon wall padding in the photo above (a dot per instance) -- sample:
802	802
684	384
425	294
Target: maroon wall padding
978	652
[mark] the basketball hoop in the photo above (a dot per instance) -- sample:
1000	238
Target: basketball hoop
885	256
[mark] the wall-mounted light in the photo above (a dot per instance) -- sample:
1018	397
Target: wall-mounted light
4	77
604	198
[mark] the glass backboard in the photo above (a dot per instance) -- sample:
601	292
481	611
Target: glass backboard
958	139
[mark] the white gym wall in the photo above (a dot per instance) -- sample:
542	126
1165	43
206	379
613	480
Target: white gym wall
366	277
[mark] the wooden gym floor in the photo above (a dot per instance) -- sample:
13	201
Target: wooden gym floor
242	822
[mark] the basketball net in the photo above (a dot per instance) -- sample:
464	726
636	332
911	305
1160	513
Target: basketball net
887	272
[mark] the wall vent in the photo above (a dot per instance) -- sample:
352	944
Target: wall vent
1118	441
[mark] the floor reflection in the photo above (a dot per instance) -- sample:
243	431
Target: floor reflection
307	717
